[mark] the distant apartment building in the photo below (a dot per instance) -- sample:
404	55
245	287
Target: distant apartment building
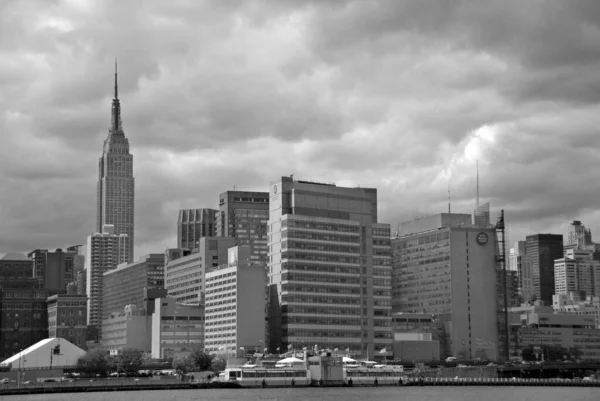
67	316
542	250
126	284
578	235
54	270
446	267
243	215
23	314
129	328
185	270
177	329
329	271
235	305
105	251
193	224
577	273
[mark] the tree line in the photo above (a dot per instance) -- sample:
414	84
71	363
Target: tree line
129	361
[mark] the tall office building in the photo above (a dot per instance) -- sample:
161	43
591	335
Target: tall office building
578	235
445	266
243	215
185	271
115	191
481	216
105	251
126	284
193	224
542	250
329	271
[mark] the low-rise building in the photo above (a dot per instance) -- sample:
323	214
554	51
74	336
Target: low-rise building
539	329
235	305
177	329
418	337
131	328
566	303
67	316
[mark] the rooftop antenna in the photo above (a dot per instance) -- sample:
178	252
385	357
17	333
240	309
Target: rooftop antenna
449	196
478	183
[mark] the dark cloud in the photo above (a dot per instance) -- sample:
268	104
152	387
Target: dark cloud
399	95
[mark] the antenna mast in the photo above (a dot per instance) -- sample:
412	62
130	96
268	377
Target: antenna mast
477	183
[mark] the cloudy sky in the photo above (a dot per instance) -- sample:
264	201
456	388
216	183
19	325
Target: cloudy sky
403	96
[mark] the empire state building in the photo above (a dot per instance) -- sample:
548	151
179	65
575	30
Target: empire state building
115	192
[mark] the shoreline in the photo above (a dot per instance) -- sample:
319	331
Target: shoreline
110	387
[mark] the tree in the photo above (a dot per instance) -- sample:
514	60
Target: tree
201	360
184	365
218	364
95	361
129	360
528	353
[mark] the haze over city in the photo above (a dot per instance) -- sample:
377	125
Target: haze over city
402	96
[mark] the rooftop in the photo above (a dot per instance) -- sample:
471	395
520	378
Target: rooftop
15	256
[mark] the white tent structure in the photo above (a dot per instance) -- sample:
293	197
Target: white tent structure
289	362
50	352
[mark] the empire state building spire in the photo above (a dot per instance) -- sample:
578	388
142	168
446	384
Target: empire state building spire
116	125
116	184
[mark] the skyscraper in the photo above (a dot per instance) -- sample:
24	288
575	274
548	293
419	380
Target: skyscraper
542	250
243	215
578	235
444	266
115	192
193	224
329	273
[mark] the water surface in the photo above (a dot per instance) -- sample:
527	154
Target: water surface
451	393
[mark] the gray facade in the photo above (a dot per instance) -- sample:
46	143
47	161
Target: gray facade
193	224
329	274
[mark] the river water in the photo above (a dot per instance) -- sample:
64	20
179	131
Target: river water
467	393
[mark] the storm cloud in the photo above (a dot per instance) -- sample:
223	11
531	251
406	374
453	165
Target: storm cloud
403	96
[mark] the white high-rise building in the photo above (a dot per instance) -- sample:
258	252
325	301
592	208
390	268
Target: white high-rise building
105	251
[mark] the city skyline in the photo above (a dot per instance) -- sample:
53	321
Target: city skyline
394	96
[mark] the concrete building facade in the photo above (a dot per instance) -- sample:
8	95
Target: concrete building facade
67	317
578	235
125	285
542	250
177	329
577	273
193	224
243	215
54	270
541	329
235	305
116	185
185	271
449	270
104	253
329	272
130	328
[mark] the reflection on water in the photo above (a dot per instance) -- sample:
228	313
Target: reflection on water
468	393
